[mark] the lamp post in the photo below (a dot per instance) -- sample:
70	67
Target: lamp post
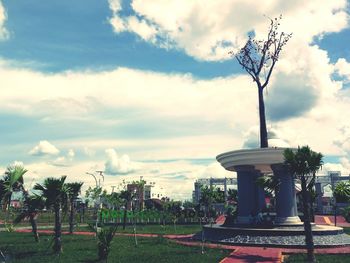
98	185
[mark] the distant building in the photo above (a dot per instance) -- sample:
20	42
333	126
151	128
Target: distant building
323	186
141	194
196	194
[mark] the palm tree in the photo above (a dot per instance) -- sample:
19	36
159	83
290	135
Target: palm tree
55	193
303	165
207	197
73	192
104	241
12	182
2	191
342	192
269	183
32	206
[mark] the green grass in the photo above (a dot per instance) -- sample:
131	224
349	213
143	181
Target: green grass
347	230
20	247
155	229
341	258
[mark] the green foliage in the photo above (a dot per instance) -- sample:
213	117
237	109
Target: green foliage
12	182
32	205
21	249
210	195
269	183
56	195
54	191
232	194
104	241
342	192
303	162
93	192
2	190
73	189
9	227
346	213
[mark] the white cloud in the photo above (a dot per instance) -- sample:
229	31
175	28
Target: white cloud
88	151
342	67
44	148
64	160
208	29
118	165
4	34
70	154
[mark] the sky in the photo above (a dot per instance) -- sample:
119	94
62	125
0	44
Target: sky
147	88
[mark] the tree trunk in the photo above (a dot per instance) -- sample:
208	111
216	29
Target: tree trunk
34	226
124	220
57	247
262	118
71	217
307	225
8	208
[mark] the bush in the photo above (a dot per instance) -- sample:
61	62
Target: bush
346	213
104	237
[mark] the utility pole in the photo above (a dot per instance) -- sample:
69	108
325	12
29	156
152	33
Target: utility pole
113	186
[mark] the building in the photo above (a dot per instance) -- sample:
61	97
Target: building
323	186
141	193
196	194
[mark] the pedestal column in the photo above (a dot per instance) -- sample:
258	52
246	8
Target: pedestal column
286	205
251	198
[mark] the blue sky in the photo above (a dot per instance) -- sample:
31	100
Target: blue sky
147	88
85	40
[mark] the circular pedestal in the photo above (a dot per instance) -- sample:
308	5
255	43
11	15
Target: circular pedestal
249	165
281	236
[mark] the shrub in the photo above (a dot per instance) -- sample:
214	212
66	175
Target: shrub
104	241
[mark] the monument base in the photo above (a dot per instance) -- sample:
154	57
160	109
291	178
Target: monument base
276	236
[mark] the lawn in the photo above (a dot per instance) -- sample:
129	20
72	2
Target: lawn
19	247
154	229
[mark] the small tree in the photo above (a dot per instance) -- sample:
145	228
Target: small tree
207	198
32	205
258	58
104	241
73	190
13	182
303	165
55	193
127	197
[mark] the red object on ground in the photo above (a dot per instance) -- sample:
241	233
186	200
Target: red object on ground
329	220
220	220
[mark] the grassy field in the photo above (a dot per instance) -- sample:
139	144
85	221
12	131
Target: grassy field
19	247
154	229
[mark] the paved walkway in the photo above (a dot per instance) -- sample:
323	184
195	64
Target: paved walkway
329	220
254	254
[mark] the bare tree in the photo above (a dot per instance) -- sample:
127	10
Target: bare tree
258	58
